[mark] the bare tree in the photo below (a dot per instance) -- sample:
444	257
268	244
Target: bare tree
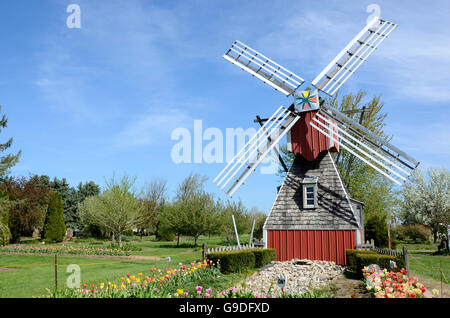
153	197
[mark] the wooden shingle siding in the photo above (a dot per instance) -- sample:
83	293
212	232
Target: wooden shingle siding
333	211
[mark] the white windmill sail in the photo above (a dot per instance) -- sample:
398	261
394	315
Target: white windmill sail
385	158
254	152
353	55
260	66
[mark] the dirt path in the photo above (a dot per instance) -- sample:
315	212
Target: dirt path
345	287
131	257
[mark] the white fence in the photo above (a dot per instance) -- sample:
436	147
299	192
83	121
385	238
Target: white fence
232	248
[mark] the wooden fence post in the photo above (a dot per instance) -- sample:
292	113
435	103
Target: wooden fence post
56	272
405	257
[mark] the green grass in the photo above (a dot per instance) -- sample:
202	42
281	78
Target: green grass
34	273
421	262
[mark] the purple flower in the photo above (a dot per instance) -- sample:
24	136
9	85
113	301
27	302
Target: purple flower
206	295
209	290
198	288
185	294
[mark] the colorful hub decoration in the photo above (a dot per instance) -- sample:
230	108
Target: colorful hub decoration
306	101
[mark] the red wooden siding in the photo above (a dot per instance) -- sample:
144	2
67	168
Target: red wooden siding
308	141
326	245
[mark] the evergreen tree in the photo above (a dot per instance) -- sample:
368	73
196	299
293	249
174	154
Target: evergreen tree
54	227
9	160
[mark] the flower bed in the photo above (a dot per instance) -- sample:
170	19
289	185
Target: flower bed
70	250
157	283
384	284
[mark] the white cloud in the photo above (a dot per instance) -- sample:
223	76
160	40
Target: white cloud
152	128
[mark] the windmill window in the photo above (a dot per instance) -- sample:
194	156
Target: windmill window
310	193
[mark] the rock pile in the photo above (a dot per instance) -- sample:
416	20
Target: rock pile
301	276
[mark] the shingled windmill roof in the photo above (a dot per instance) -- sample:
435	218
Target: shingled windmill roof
334	209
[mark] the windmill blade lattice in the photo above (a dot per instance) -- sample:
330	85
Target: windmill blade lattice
260	66
254	152
363	144
353	55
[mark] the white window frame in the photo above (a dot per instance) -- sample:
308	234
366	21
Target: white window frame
309	183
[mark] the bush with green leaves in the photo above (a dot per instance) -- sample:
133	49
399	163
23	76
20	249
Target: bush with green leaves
54	228
264	256
358	259
240	260
233	261
415	232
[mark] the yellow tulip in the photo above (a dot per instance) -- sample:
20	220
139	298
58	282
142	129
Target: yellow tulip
179	291
138	280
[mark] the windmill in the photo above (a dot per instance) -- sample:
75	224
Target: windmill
314	129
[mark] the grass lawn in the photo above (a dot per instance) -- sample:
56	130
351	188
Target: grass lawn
428	267
30	275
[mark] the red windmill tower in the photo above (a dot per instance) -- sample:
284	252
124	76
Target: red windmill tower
313	216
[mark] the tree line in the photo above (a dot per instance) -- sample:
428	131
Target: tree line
192	212
49	207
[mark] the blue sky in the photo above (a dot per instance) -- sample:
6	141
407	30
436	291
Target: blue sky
83	103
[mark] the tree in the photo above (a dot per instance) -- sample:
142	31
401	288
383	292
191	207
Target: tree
260	218
54	227
153	199
427	201
376	229
71	197
193	210
5	233
28	204
199	211
9	160
117	209
172	220
240	213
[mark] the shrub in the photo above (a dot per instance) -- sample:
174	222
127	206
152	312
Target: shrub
233	261
415	232
165	235
352	256
54	227
358	259
264	256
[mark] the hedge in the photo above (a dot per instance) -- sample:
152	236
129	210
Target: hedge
237	261
358	259
264	256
